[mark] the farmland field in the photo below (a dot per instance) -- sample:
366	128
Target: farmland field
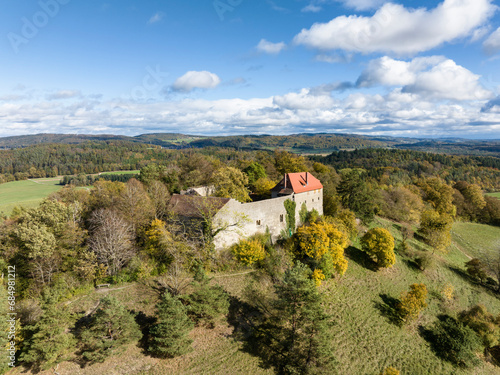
26	193
495	194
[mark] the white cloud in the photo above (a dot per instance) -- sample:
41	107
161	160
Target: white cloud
399	112
447	80
271	48
434	77
492	44
394	28
64	94
196	80
311	8
157	17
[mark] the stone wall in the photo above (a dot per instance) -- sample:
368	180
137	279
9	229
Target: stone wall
246	219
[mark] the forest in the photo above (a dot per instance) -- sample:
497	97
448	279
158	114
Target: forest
390	220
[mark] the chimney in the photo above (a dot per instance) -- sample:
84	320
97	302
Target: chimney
306	178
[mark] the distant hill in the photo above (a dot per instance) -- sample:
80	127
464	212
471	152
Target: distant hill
298	143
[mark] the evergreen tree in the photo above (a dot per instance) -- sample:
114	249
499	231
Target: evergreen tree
50	342
207	302
293	335
110	328
169	336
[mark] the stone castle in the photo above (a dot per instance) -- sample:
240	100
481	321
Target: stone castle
232	220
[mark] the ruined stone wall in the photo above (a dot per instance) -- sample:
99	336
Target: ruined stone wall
255	217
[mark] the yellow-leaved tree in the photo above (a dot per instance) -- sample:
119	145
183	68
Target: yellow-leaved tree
249	251
379	244
412	302
324	243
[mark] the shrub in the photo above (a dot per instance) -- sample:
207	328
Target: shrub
379	244
412	302
454	341
425	261
485	324
248	252
318	276
390	371
476	270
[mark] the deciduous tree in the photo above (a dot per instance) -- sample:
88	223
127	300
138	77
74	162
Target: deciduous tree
379	244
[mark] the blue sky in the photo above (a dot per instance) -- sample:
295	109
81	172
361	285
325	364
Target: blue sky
401	68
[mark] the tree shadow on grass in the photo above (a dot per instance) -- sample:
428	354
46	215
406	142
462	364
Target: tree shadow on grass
145	323
389	309
490	288
361	258
245	320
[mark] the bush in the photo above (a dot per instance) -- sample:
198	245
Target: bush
390	371
425	261
454	341
248	252
412	302
485	324
476	270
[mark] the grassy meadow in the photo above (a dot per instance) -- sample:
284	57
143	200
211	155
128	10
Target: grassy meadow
26	193
29	193
495	194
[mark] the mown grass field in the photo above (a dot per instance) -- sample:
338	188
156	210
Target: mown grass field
496	194
27	193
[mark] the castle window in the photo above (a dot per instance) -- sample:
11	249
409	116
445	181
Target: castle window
258	222
281	218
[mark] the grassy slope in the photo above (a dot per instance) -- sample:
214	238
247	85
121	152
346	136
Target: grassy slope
365	341
496	194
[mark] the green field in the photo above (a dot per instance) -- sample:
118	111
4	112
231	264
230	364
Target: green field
29	193
122	172
26	193
495	194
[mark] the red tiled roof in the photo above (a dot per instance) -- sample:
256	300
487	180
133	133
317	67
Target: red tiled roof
299	182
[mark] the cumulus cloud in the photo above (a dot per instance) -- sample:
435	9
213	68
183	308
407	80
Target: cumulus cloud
318	109
394	28
434	77
157	17
271	48
492	106
492	44
196	80
447	80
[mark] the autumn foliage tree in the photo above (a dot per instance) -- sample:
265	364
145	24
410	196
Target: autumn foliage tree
378	243
249	251
435	227
322	245
412	302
